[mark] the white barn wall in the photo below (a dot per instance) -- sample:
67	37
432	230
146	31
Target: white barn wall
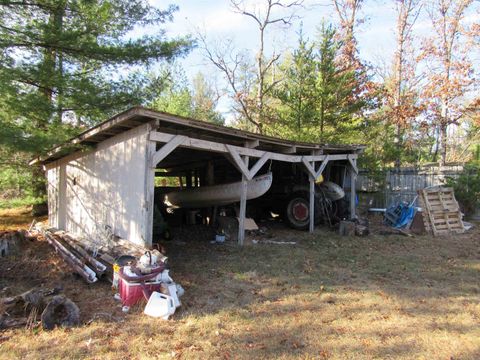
53	181
105	186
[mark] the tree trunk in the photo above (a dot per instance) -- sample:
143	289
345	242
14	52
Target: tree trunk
322	118
443	144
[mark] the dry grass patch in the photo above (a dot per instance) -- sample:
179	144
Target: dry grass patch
17	218
379	297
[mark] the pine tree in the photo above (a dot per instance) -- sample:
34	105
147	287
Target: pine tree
339	106
177	98
64	65
317	94
298	90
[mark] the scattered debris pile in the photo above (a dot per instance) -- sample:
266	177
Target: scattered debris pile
438	213
136	272
147	278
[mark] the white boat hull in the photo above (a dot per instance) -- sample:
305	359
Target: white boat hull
218	194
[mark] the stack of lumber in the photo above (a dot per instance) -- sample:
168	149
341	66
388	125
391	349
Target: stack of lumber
87	258
441	214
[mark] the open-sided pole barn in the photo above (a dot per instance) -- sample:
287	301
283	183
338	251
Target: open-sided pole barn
105	177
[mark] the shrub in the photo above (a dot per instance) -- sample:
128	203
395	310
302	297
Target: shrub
467	188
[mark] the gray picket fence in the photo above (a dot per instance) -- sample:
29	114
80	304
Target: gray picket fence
402	185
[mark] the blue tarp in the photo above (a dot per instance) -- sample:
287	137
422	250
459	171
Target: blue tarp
400	215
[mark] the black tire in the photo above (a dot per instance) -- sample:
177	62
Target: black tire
297	211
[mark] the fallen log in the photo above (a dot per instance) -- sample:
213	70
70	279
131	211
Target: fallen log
75	263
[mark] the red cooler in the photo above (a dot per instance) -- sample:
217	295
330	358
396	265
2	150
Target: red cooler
132	289
133	292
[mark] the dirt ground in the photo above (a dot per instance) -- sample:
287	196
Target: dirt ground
327	297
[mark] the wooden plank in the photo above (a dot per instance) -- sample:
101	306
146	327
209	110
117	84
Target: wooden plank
429	212
435	190
425	215
149	194
312	204
308	166
289	150
446	204
252	143
353	176
332	157
243	151
323	166
243	205
221	148
444	215
238	162
258	165
166	149
443	211
446	195
353	163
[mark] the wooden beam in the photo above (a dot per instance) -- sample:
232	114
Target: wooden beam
353	198
312	204
167	149
289	150
149	193
258	165
193	143
238	162
308	165
331	157
251	144
353	163
322	166
243	205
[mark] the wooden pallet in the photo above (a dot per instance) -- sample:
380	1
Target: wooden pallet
441	211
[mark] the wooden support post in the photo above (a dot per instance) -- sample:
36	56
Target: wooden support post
149	195
243	206
312	204
353	178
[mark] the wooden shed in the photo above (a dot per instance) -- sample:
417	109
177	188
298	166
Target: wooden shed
105	177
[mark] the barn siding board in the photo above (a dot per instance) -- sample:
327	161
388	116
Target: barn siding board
52	190
104	186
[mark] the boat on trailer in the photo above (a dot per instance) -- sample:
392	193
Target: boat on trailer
222	194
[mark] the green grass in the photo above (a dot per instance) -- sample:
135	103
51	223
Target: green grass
20	202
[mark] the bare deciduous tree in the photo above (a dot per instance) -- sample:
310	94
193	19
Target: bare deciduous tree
248	83
401	93
347	11
449	68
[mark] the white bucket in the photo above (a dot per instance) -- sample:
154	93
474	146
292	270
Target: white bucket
160	305
173	291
